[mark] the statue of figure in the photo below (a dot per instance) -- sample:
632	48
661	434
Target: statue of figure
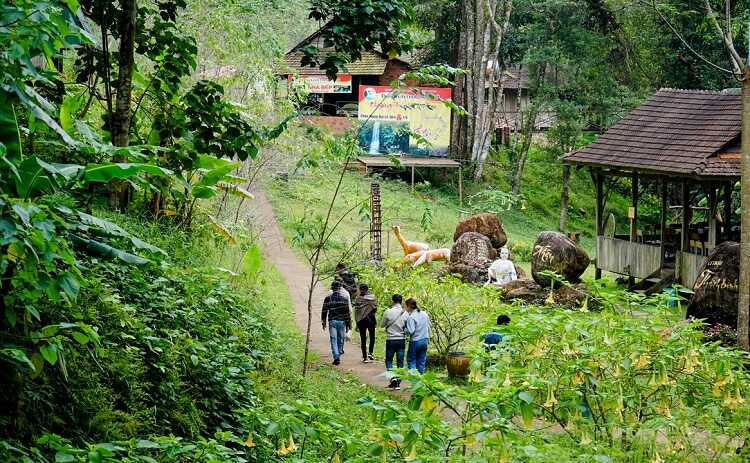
502	270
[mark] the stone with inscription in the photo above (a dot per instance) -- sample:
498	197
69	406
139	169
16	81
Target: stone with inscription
557	253
715	295
471	255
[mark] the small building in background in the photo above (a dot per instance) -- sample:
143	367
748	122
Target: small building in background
516	98
338	99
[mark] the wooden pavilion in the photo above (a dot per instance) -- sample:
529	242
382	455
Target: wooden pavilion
687	143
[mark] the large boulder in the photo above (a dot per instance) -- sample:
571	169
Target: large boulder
525	290
556	252
486	224
715	295
471	255
567	297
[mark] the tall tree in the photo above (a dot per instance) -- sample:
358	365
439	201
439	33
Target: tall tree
121	116
484	25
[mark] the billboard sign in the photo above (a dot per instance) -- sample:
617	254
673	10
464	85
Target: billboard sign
321	84
411	120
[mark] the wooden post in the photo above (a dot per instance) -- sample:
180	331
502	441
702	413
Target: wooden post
460	185
634	205
599	213
633	213
685	230
412	178
663	229
728	188
713	231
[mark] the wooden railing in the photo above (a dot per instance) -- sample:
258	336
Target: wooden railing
640	260
627	258
688	266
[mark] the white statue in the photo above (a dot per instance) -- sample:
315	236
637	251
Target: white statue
502	270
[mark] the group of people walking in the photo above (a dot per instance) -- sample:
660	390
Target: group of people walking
406	325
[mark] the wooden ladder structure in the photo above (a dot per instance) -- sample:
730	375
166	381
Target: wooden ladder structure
376	228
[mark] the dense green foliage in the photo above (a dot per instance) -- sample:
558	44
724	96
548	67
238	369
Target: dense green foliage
140	324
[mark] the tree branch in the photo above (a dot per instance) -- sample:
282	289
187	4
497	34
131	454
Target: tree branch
652	4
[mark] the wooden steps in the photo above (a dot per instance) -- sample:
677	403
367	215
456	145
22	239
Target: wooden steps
655	282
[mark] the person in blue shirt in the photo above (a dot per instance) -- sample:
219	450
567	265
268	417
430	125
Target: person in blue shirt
418	331
494	337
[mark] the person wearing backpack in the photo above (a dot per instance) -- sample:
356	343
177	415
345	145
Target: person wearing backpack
393	323
364	313
347	279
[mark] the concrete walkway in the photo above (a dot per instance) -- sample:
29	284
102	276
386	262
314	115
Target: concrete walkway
296	273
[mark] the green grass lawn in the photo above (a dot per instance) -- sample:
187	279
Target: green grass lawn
431	213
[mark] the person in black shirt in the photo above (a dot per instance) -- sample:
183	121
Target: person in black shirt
364	313
336	313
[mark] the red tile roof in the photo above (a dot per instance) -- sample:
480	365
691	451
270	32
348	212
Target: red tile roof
677	132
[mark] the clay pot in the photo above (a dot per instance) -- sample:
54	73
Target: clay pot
458	364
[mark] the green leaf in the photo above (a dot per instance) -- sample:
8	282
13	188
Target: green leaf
73	5
252	260
32	177
272	428
10	134
104	225
526	397
146	444
49	352
103	173
204	192
70	105
63	457
99	249
207	162
80	337
18	356
214	176
11	316
69	285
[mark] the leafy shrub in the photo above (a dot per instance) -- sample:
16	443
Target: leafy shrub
146	349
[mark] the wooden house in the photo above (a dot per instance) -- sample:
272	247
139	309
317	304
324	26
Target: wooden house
685	144
330	103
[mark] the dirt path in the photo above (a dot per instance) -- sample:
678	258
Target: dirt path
296	273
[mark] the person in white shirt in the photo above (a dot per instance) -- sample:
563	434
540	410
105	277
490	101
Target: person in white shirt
393	322
418	331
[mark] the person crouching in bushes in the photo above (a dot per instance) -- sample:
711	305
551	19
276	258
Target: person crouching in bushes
494	337
336	312
364	313
393	323
418	330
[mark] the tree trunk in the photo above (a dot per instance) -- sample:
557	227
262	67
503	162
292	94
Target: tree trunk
743	309
479	47
564	196
527	133
121	114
